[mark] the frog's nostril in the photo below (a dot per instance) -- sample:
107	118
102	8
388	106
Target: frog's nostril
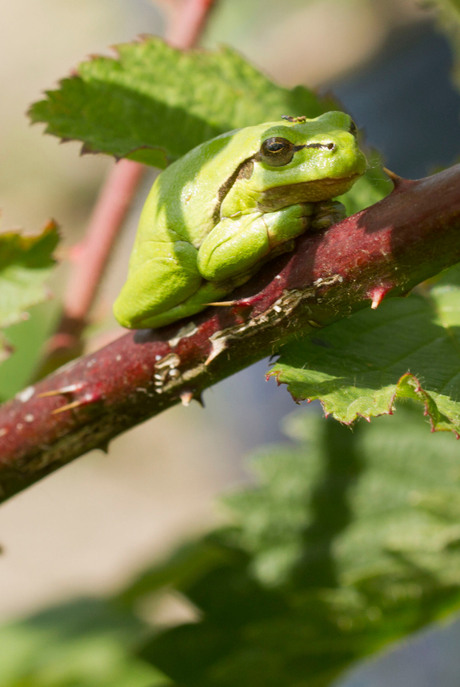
330	146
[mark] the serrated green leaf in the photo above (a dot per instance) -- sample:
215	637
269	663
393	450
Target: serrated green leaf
25	264
349	541
153	103
407	348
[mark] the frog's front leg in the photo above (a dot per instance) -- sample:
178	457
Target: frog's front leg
238	245
327	213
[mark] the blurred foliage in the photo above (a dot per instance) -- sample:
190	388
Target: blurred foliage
347	542
448	12
86	643
26	263
26	342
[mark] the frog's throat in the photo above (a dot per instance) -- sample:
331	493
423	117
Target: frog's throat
305	192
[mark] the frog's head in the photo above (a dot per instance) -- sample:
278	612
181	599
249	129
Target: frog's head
303	160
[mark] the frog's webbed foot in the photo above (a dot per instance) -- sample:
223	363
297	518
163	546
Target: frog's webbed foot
327	213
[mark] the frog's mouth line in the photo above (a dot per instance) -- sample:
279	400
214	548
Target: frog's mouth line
325	181
330	180
313	191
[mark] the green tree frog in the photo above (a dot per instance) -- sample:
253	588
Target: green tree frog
216	215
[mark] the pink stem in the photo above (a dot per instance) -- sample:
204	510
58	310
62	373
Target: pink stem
107	217
185	32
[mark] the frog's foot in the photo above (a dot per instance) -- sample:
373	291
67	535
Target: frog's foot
192	305
209	293
327	213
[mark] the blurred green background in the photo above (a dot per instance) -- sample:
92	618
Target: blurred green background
89	527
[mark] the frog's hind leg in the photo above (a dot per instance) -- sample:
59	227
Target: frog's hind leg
158	285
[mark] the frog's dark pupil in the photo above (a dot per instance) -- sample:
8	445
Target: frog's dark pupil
277	151
274	147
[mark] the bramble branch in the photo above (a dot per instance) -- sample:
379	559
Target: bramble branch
384	250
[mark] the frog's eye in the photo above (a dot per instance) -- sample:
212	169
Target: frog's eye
353	129
277	151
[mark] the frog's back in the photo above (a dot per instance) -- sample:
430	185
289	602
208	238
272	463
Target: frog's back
183	200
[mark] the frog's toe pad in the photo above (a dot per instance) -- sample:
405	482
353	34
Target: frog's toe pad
327	214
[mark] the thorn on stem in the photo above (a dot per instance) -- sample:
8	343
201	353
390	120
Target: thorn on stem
68	406
186	397
70	389
377	295
86	400
222	303
398	181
